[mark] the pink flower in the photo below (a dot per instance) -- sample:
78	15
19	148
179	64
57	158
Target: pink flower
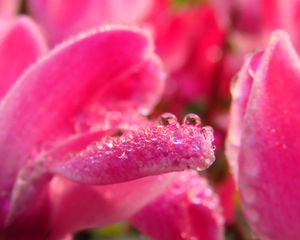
189	40
64	165
263	140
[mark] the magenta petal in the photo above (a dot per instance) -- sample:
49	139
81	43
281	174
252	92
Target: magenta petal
240	92
269	169
60	86
8	7
77	206
20	46
149	151
188	209
62	19
226	193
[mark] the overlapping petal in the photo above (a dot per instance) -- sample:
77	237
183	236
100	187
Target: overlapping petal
149	151
62	87
268	174
79	206
188	209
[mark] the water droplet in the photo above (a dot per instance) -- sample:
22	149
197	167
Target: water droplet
167	119
251	73
192	119
199	169
196	198
81	123
177	140
196	148
108	142
123	156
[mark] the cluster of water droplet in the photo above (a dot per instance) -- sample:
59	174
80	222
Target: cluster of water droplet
166	147
98	118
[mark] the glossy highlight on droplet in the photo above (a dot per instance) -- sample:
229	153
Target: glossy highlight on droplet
192	119
167	119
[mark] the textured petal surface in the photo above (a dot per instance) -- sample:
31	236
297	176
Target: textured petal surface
188	209
268	177
62	19
149	151
95	73
20	34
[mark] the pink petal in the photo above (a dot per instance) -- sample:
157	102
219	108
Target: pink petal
255	20
188	209
226	192
20	34
268	176
190	42
243	15
240	92
173	32
78	206
8	8
101	68
151	150
62	19
31	208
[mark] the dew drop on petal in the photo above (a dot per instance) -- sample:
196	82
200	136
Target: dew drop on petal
177	139
167	119
192	119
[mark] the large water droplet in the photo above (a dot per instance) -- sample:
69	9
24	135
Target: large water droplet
168	119
192	119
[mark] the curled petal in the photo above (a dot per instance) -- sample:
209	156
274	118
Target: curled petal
240	92
151	150
268	174
61	87
188	209
14	60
